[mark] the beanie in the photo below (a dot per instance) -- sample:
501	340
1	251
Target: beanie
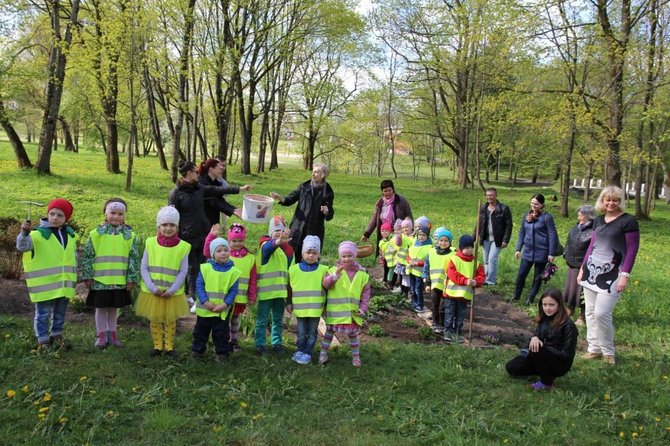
466	241
423	222
277	223
237	232
443	232
398	224
167	214
386	227
423	228
214	244
61	204
408	222
311	242
347	247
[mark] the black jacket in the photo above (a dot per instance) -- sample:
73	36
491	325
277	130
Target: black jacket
577	244
216	204
308	218
502	224
189	201
561	341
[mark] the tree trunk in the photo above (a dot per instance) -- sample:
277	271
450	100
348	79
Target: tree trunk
22	159
67	135
153	118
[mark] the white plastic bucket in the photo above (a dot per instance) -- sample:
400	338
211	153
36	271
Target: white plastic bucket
257	208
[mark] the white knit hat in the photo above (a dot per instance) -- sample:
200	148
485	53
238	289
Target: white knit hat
311	242
167	214
277	223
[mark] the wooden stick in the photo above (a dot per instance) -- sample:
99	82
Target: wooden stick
474	274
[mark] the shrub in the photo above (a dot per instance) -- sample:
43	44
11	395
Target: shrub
10	258
426	333
376	330
409	323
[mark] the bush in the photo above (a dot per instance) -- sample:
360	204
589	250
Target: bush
376	330
409	323
426	333
10	258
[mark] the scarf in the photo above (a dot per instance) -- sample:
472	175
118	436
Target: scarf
533	215
168	242
387	214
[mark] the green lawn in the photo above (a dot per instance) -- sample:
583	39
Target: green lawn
404	393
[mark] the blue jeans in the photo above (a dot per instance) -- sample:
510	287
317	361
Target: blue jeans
524	269
416	290
454	315
53	309
272	309
491	253
306	328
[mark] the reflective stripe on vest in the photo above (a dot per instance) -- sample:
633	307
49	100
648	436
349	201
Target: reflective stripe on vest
244	264
308	295
465	268
110	265
273	276
417	253
343	301
46	281
403	249
163	263
438	273
217	285
388	249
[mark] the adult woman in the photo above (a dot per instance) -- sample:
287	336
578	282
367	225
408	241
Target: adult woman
315	206
211	173
388	209
575	248
606	268
538	240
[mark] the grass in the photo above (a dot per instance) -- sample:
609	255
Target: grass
404	394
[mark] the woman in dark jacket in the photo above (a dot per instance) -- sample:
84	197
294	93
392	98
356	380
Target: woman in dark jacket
575	249
315	206
539	241
389	208
211	172
551	351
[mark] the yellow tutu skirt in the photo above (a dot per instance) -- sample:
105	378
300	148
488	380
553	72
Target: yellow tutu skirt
161	309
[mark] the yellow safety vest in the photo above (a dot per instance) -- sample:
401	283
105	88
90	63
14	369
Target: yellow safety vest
50	269
343	299
466	269
244	264
308	294
388	250
417	253
273	276
110	265
403	249
164	263
438	264
217	285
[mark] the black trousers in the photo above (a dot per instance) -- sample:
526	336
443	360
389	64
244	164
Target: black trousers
544	363
220	331
438	308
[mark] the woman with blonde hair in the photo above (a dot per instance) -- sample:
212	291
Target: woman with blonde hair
606	269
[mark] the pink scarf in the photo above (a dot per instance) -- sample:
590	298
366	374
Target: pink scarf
168	242
387	215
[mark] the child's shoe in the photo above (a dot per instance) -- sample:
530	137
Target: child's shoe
593	355
356	362
112	339
43	346
262	350
59	341
171	354
396	290
296	355
278	349
101	340
448	337
323	358
540	386
154	352
235	346
304	359
609	359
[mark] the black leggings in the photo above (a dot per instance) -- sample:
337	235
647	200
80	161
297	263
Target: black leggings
544	363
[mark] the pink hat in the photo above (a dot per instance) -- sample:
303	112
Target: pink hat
386	227
347	247
237	232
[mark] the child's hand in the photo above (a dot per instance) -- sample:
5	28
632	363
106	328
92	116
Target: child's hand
88	283
215	229
220	308
361	312
472	282
159	293
427	290
130	286
289	308
338	271
25	227
285	236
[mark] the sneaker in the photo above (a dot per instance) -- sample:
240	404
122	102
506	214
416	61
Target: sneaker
540	386
609	359
304	359
323	358
438	329
44	346
59	341
278	349
155	352
448	337
101	340
396	290
593	355
112	339
356	362
296	355
171	354
236	346
459	339
262	350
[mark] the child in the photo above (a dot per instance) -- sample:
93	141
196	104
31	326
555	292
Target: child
434	272
272	291
402	242
164	268
346	302
387	253
110	268
551	351
216	288
459	287
415	261
50	264
306	297
246	293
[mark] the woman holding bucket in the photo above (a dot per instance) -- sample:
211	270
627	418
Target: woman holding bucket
315	206
211	174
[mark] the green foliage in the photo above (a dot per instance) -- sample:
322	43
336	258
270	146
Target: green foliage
409	323
376	330
426	333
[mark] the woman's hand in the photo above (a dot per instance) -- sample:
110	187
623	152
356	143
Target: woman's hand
237	213
517	255
276	196
550	259
246	188
364	238
535	344
621	283
324	210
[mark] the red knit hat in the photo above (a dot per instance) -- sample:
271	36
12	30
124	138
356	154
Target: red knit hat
386	226
63	205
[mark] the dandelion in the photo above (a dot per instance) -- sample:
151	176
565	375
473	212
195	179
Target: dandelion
257	417
636	283
62	420
606	397
243	405
83	378
25	389
634	435
657	419
506	441
380	417
43	409
216	428
7	335
110	413
92	391
622	435
41	416
47	397
11	394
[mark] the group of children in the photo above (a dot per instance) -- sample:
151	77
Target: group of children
231	279
417	264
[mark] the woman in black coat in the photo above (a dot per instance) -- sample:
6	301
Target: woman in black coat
575	249
315	206
211	174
